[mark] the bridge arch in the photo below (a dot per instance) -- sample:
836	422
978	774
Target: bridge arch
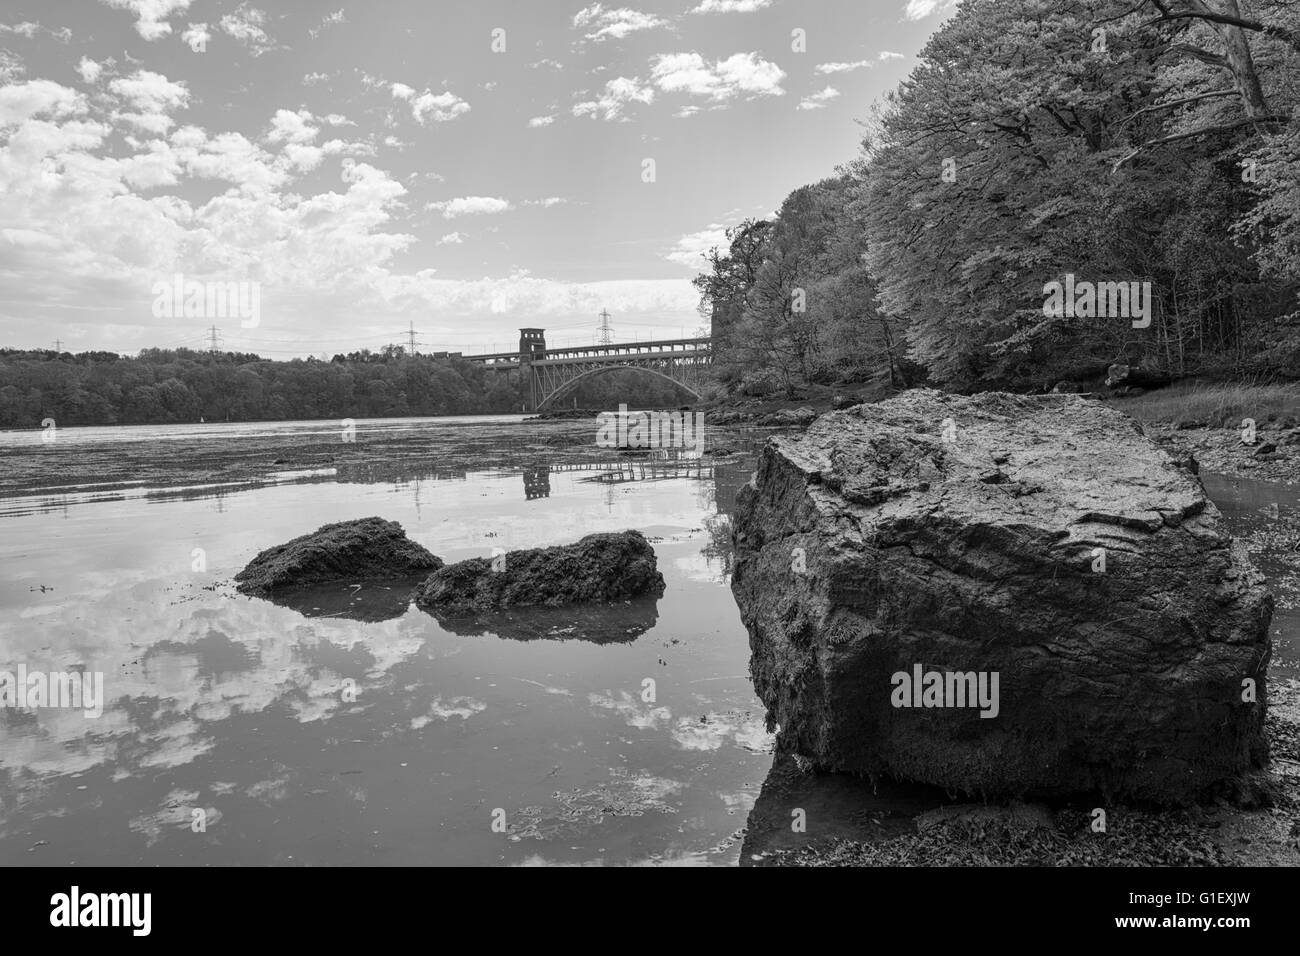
568	386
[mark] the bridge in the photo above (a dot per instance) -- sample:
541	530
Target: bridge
554	373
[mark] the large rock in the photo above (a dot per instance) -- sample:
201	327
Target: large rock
599	567
367	549
959	535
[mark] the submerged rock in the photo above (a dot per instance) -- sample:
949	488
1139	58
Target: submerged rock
1001	595
600	567
369	601
366	549
604	623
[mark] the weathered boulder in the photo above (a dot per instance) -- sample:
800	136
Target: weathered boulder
366	549
599	567
1040	542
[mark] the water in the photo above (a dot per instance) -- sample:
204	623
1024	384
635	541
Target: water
238	708
241	708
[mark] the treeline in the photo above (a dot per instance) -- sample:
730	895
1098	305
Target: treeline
163	386
1147	141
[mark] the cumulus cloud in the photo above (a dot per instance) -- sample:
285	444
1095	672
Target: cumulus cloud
613	101
690	247
470	206
290	127
151	15
440	107
537	121
89	69
23	101
197	36
817	101
920	9
151	92
890	55
742	74
246	25
616	23
452	239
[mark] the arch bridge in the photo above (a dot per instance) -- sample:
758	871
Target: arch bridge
554	373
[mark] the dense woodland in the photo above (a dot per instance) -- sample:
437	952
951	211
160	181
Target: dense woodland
164	386
1124	140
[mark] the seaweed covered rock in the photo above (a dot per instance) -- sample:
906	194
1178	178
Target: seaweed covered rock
599	567
367	549
1002	595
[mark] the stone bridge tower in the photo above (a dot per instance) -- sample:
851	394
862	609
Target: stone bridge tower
532	344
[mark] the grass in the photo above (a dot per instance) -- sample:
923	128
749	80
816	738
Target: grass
1215	405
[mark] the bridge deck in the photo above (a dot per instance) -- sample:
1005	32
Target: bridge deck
665	348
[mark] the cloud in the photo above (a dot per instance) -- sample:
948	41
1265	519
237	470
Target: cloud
546	203
537	121
470	206
89	69
150	92
742	74
152	15
311	79
23	101
731	6
839	67
11	67
613	101
290	127
329	20
452	239
616	23
441	107
197	36
920	9
890	55
28	29
817	101
245	25
690	247
523	295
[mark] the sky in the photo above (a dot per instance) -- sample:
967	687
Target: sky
464	169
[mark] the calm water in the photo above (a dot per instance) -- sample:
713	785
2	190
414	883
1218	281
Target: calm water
243	709
238	707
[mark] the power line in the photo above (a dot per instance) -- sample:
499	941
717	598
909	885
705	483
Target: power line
606	333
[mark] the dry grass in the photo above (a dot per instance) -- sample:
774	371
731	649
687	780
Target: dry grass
1215	405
